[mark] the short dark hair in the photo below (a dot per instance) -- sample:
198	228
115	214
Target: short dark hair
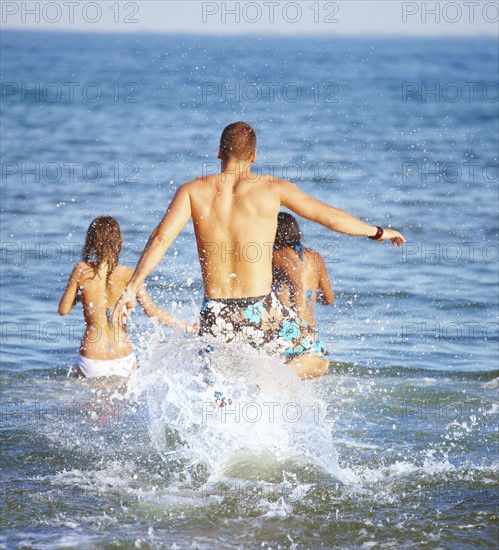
238	141
288	233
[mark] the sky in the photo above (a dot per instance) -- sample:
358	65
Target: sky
266	17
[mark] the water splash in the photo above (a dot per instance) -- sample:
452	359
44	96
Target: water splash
231	410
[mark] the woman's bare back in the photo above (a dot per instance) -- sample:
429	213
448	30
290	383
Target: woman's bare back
99	293
300	279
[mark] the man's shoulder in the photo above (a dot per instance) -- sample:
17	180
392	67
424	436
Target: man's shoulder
283	188
273	180
196	184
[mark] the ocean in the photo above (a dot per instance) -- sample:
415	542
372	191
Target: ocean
396	447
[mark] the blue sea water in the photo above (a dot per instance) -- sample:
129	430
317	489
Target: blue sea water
396	447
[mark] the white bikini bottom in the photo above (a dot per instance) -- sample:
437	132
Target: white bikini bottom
91	368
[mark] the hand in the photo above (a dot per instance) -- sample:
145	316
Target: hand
392	235
193	329
123	307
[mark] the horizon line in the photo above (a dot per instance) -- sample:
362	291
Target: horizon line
249	33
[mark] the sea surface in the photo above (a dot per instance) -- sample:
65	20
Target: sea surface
397	446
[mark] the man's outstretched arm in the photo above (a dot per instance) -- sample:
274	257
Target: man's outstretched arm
175	219
338	220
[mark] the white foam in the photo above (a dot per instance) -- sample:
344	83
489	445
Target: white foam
269	413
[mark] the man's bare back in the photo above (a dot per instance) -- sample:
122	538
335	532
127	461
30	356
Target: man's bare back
235	220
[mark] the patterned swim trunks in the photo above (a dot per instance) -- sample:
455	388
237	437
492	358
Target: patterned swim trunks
263	322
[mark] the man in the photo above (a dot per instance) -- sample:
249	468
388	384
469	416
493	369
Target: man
235	220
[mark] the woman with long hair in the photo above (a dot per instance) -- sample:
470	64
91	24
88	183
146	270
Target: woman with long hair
300	277
300	280
98	281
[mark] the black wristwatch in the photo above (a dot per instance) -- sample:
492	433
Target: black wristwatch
379	234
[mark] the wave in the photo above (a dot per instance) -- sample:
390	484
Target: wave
400	371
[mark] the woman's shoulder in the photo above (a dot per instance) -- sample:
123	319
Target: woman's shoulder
314	257
82	272
82	268
123	272
312	254
284	254
120	268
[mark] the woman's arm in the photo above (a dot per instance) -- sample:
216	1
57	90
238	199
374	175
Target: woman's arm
162	316
325	295
68	299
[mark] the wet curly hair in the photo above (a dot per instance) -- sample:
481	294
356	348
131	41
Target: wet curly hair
103	243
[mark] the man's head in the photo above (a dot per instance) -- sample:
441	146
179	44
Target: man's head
238	143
